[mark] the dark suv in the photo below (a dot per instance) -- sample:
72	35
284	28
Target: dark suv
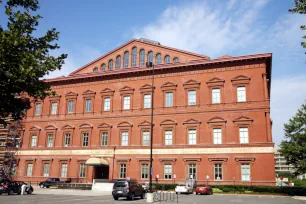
127	188
50	182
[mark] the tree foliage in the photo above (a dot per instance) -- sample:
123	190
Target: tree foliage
300	8
293	148
24	58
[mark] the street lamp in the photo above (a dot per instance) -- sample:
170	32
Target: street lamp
207	177
150	194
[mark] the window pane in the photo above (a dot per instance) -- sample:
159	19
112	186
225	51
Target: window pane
82	170
106	104
192	137
64	170
34	141
147	101
29	169
124	138
54	108
104	138
134	56
245	172
244	135
142	58
175	60
38	109
103	67
110	64
218	171
70	106
95	69
85	140
145	138
167	171
88	105
67	140
167	59
150	56
192	97
169	99
118	62
158	59
217	136
192	171
144	171
126	102
168	137
46	170
241	95
122	173
215	95
50	140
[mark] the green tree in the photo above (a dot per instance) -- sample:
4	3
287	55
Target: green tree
293	148
24	58
300	8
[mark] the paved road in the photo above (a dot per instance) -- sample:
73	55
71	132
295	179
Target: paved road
107	199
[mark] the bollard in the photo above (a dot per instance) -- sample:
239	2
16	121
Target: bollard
176	197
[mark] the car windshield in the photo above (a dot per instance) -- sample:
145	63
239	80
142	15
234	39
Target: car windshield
120	184
50	179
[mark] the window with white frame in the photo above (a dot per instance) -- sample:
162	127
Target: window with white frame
122	172
38	109
144	171
103	67
192	171
218	171
67	140
241	94
216	95
50	140
145	138
104	138
82	170
192	136
126	59
244	135
53	108
126	102
46	170
34	141
168	137
85	139
70	107
142	58
88	105
176	60
107	104
158	59
245	172
124	139
169	99
217	136
30	170
64	168
168	171
134	56
192	97
147	101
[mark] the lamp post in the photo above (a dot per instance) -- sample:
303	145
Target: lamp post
150	194
207	177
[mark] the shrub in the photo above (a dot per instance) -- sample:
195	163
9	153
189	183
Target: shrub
217	190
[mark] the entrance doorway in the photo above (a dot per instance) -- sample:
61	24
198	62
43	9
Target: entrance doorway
101	172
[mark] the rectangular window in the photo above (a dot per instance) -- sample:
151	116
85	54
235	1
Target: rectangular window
192	137
85	140
245	172
244	135
34	141
124	138
67	140
82	170
70	106
241	96
192	97
168	171
88	105
169	99
216	95
107	104
53	108
29	169
168	137
192	170
50	140
104	138
218	171
64	169
147	101
145	138
46	170
144	171
217	136
126	102
122	173
38	109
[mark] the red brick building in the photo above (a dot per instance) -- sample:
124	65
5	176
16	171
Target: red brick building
212	117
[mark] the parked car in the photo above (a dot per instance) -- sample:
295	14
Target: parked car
183	188
12	187
206	190
50	182
146	186
128	189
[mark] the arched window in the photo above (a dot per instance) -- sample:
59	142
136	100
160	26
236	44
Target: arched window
95	69
134	56
167	59
110	64
118	62
158	58
142	58
103	67
126	59
150	56
175	60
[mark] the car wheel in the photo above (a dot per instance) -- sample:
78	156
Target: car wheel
115	197
196	193
132	196
30	191
41	186
47	186
10	192
142	195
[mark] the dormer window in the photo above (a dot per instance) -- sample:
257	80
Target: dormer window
134	56
110	65
118	62
167	59
142	58
95	69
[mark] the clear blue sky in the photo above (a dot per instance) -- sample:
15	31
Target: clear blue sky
88	29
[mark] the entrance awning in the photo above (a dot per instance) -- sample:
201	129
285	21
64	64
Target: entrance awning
96	162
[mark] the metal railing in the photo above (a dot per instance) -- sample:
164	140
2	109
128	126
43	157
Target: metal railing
163	196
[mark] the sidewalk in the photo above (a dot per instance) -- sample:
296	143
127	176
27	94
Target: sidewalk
50	191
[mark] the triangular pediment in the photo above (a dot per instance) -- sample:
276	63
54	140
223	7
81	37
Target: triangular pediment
65	127
127	88
85	125
240	77
146	86
50	127
168	84
192	121
145	123
107	90
243	119
168	122
216	120
70	93
88	92
124	124
105	125
192	82
215	79
35	128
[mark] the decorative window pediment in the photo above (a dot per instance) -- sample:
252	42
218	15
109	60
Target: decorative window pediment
192	84
126	90
124	124
143	159
146	88
217	159
168	122
243	120
85	125
168	86
245	159
216	81
241	79
167	159
35	128
192	159
105	125
216	120
67	127
191	121
107	91
71	94
123	160
88	93
145	123
50	127
55	97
